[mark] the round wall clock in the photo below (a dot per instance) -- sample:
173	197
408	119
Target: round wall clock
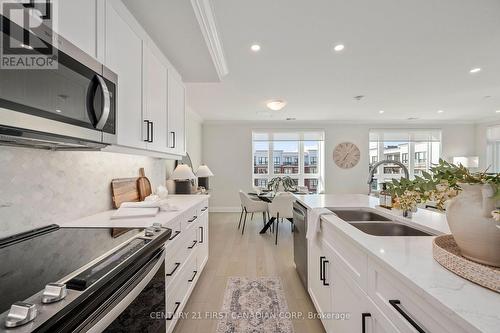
346	155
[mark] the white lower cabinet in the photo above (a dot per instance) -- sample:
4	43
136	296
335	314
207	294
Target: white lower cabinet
186	256
355	293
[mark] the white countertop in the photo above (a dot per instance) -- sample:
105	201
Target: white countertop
474	307
103	220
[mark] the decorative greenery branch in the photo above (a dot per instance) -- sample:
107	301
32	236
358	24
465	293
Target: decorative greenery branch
286	181
440	185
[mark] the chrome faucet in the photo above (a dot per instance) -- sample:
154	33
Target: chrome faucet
376	165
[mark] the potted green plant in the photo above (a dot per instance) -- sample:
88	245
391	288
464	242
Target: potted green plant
284	183
470	201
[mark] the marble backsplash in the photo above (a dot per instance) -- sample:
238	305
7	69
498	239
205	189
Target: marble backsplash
39	187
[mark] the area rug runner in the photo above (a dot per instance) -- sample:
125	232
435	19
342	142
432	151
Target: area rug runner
254	305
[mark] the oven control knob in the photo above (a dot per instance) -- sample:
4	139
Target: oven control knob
157	226
20	313
54	292
149	232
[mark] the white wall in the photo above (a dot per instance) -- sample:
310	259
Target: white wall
194	137
227	150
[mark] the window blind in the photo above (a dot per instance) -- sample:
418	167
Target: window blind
287	135
493	133
405	135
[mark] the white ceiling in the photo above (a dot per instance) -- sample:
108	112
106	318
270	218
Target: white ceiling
173	26
409	58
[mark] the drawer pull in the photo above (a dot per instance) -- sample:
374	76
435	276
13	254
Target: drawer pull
177	304
194	243
177	264
399	308
322	270
194	275
193	219
201	235
204	209
175	235
363	321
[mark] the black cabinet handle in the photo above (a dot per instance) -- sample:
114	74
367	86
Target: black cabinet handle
204	209
321	267
152	124
194	243
147	131
363	321
177	264
192	219
324	275
194	275
399	308
201	235
175	235
177	304
173	140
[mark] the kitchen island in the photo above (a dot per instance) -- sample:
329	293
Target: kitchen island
390	282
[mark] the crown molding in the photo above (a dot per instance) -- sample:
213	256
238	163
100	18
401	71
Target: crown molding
206	19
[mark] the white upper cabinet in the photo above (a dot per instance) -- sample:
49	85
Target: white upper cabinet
176	115
155	101
123	55
76	21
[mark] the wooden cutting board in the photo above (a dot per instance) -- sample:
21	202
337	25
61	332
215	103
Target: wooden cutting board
143	185
124	190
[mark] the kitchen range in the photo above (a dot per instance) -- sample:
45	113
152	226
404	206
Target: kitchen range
82	279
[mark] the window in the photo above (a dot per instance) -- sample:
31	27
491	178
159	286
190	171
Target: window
294	154
417	149
493	148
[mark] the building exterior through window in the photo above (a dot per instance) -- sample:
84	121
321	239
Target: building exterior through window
417	149
296	154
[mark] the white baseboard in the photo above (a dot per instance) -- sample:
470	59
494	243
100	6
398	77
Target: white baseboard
225	209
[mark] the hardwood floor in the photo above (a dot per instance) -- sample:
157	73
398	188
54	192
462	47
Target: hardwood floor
251	255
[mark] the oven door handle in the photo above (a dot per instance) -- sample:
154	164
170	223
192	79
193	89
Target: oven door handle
137	284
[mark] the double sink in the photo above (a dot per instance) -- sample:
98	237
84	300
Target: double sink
374	224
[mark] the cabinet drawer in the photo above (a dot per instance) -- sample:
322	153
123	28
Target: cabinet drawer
175	302
175	257
353	259
406	310
190	218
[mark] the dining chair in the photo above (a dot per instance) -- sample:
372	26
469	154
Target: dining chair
281	207
249	205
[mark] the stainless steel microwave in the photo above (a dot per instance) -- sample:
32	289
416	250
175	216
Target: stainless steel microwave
71	106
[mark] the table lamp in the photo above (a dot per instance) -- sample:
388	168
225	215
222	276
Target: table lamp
203	173
183	176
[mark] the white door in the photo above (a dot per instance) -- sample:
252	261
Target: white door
76	21
123	55
155	101
176	115
360	313
319	279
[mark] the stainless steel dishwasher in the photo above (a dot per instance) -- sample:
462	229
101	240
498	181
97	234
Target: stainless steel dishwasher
300	241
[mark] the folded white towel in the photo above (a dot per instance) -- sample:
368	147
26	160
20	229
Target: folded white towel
313	221
123	213
162	204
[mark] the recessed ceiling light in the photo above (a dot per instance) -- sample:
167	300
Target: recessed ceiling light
276	104
338	47
58	111
255	47
475	70
29	47
440	111
497	111
381	112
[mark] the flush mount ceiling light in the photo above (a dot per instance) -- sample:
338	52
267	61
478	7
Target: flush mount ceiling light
255	47
276	104
475	70
338	47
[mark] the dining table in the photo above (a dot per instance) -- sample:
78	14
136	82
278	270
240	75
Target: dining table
266	197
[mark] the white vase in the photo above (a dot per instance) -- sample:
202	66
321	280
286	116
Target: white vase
473	227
